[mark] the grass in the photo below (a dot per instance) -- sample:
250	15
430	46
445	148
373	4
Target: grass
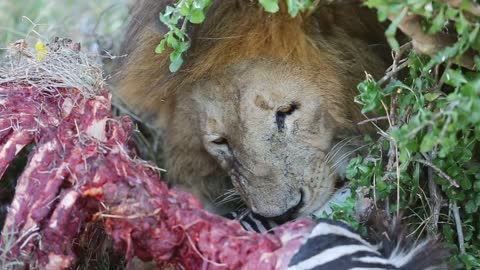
96	24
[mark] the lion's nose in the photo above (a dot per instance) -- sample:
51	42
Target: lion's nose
290	213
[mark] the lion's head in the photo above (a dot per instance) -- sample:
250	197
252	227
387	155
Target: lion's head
264	104
271	126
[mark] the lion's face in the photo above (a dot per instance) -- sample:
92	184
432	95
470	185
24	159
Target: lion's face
271	126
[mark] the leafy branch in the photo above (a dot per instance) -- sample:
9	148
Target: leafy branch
177	17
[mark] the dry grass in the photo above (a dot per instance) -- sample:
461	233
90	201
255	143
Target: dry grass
51	67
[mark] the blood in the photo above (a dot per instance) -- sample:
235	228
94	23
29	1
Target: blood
84	168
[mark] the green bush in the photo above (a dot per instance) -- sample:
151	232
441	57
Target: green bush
433	129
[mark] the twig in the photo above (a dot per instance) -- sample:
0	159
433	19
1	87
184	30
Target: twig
397	167
393	72
458	224
438	171
375	119
473	8
411	25
392	145
402	50
437	198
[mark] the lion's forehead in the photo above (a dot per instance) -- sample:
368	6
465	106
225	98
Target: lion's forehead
265	86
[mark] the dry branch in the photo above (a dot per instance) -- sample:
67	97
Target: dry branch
458	225
439	172
424	43
473	8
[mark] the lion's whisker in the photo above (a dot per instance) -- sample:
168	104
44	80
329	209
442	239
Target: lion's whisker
338	147
345	156
342	158
228	196
229	200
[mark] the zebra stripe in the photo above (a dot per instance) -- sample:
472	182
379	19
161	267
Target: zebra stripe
252	222
333	245
317	244
326	226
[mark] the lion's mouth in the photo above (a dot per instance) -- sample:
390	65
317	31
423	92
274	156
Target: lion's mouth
292	212
239	180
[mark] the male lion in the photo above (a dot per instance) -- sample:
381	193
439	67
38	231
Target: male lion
260	101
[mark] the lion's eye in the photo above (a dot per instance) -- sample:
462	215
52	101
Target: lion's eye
282	114
287	110
219	141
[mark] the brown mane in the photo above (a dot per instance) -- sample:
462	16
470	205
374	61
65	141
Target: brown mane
240	29
334	45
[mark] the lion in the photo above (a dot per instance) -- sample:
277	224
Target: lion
263	105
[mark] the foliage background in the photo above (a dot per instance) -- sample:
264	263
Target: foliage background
96	24
426	160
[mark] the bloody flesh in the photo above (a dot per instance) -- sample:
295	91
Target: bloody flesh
83	168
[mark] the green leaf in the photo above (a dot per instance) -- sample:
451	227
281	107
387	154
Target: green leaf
169	10
197	16
184	10
454	77
428	142
184	46
270	5
442	56
176	61
451	13
431	96
392	30
160	47
462	24
165	19
471	207
292	8
172	42
437	23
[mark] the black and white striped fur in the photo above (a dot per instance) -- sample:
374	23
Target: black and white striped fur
333	245
252	222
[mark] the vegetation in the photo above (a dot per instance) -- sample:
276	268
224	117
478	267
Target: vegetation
424	161
95	24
